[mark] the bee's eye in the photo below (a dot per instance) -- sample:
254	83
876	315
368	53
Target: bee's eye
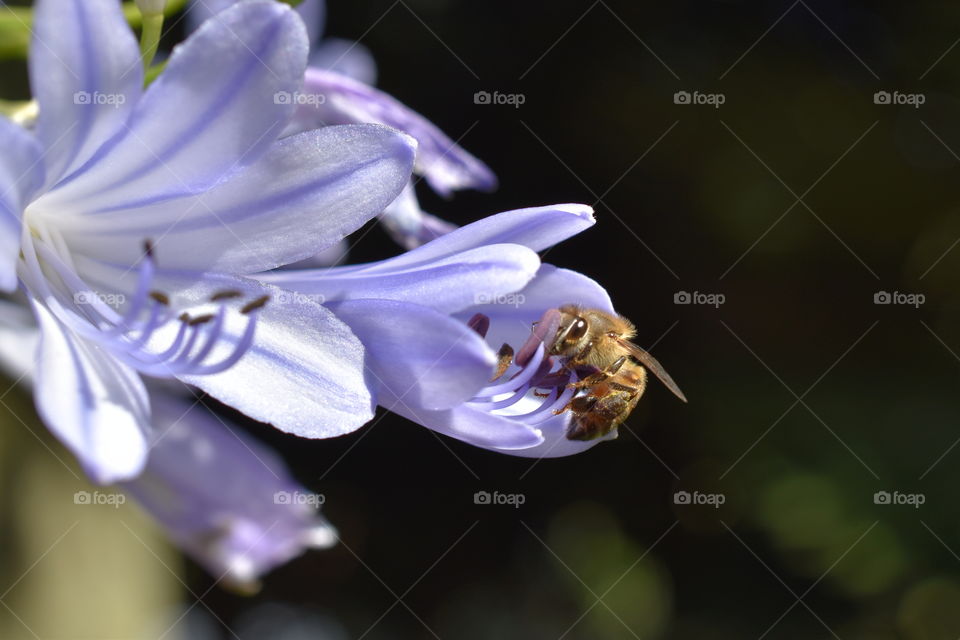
578	330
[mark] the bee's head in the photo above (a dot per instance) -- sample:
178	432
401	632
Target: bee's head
573	333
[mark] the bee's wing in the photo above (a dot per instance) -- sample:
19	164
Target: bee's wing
651	363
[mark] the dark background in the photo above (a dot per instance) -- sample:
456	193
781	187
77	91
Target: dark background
688	198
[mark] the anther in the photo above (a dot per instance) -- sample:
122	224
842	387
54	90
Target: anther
161	297
255	304
226	295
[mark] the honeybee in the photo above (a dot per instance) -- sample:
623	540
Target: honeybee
598	343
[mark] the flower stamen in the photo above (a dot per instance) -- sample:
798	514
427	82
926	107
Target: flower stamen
131	336
537	376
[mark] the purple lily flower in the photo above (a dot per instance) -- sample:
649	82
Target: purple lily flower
489	268
194	165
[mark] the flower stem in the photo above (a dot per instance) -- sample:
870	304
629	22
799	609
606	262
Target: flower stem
16	24
150	37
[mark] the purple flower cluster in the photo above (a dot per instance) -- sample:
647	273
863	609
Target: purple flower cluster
157	237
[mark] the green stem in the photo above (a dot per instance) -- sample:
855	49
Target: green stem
16	25
152	73
150	37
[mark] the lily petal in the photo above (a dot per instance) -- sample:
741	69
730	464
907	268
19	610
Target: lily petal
304	373
313	13
551	288
416	356
86	74
96	406
21	173
479	428
537	228
449	284
446	166
214	110
305	194
346	57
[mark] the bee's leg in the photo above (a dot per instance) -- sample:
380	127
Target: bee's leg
579	405
504	360
622	387
600	376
